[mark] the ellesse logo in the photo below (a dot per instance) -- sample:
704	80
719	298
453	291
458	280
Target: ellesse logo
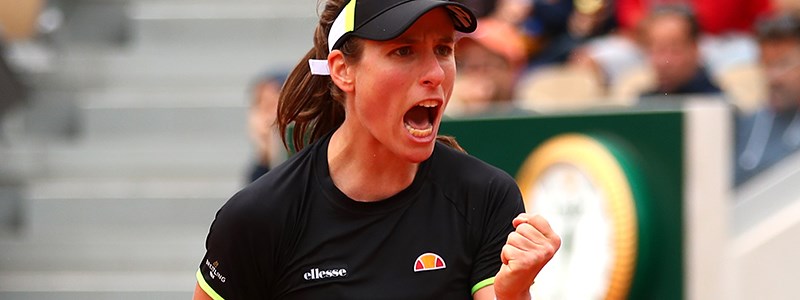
429	262
316	273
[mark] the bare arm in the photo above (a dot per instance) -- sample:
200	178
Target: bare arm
200	294
487	293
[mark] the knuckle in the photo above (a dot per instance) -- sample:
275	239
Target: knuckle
557	242
525	227
512	237
538	220
549	250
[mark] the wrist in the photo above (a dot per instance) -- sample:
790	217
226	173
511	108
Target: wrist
526	295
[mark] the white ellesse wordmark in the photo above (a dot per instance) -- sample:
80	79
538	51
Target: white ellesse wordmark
316	273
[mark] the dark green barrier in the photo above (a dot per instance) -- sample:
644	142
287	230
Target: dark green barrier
648	145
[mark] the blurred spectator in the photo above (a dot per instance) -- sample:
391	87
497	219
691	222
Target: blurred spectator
592	18
724	39
670	37
488	62
12	91
713	17
787	6
261	122
610	57
17	22
514	12
725	26
555	28
481	8
773	132
551	28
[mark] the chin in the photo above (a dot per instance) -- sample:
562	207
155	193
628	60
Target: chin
420	154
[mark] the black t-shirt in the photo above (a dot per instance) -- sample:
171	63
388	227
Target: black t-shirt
293	235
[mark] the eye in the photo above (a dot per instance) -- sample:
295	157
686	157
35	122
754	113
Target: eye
444	50
403	51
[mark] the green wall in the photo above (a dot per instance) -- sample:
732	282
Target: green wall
650	146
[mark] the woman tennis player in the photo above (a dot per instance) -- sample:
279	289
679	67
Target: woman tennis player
373	206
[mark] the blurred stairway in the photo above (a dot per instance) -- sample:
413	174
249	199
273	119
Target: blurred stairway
134	139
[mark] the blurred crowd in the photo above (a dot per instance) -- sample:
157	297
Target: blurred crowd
16	22
532	56
537	56
619	52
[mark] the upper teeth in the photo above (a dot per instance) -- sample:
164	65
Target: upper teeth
428	103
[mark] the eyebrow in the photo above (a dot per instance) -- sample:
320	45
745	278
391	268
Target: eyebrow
411	40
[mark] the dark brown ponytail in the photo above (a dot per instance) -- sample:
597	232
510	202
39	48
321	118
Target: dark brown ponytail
313	103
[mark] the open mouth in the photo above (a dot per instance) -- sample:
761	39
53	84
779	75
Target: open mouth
419	119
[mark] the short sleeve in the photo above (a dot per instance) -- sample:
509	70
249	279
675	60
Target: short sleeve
233	265
504	203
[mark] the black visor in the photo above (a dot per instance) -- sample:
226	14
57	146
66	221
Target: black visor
382	20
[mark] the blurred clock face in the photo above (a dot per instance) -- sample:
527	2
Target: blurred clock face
571	201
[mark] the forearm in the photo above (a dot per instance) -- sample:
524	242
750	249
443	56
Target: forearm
505	291
489	293
522	296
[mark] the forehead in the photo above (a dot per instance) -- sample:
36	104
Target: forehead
668	24
436	23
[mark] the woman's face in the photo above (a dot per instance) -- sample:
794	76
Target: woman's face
401	87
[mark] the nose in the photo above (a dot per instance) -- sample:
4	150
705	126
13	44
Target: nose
433	71
659	59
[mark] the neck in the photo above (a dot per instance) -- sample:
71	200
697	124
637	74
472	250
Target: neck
364	170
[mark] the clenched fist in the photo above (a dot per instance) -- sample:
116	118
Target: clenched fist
532	244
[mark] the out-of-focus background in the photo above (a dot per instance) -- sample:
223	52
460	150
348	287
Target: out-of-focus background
125	124
128	130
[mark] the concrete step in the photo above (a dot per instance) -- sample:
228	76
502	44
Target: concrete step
196	44
112	235
214	114
173	23
121	210
159	156
140	249
97	285
182	68
89	295
82	204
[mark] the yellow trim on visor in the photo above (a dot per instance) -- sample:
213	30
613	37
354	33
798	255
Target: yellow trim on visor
350	17
344	23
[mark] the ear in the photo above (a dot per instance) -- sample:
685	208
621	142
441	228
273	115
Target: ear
341	73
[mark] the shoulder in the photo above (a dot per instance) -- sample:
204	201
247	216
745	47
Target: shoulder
703	82
268	201
460	166
462	176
